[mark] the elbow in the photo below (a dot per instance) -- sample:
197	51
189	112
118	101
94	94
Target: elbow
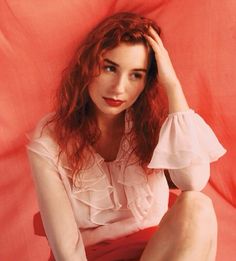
70	252
194	186
193	178
70	256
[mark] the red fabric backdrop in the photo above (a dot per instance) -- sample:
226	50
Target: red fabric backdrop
37	39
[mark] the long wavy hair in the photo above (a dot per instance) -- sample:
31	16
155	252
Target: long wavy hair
74	124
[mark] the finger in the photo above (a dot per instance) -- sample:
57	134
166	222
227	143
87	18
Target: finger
155	36
152	42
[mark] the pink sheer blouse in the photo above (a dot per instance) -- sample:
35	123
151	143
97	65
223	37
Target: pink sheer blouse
114	199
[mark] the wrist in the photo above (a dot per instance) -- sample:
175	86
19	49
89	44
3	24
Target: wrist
173	86
176	98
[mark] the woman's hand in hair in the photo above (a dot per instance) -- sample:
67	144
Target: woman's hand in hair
166	73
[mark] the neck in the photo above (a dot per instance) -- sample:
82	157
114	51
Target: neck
107	123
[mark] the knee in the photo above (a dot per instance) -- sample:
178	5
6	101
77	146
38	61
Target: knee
196	201
197	207
191	209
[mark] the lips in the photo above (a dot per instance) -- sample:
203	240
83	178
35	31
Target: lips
112	102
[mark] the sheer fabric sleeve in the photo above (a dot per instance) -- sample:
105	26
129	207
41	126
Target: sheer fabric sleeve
187	145
56	211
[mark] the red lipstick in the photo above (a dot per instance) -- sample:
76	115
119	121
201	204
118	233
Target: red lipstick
113	102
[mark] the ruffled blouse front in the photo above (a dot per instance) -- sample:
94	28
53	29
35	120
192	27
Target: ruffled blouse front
113	199
109	193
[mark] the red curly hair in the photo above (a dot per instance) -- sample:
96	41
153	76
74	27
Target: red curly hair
75	128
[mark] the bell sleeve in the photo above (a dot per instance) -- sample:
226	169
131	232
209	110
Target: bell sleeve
186	147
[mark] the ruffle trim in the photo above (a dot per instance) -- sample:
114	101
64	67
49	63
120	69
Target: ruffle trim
137	190
185	139
92	186
94	190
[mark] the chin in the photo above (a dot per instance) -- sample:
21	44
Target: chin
112	111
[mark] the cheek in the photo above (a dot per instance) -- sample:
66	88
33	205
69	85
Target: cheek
93	90
94	86
137	90
90	89
101	82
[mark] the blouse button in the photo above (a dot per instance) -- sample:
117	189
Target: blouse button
118	165
125	145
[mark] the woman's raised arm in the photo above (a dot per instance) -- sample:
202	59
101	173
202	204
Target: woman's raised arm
167	77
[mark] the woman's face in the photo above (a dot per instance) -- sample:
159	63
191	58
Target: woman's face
122	79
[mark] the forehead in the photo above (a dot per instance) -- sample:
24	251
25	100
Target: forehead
128	55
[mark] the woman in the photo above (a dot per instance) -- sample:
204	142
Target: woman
98	159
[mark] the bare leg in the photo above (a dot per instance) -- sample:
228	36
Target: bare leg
188	231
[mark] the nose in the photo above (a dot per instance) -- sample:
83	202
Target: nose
120	84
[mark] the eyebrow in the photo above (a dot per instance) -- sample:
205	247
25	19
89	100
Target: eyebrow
117	65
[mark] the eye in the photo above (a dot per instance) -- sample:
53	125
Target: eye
136	76
109	68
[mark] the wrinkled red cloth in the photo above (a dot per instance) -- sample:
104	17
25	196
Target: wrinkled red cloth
126	248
